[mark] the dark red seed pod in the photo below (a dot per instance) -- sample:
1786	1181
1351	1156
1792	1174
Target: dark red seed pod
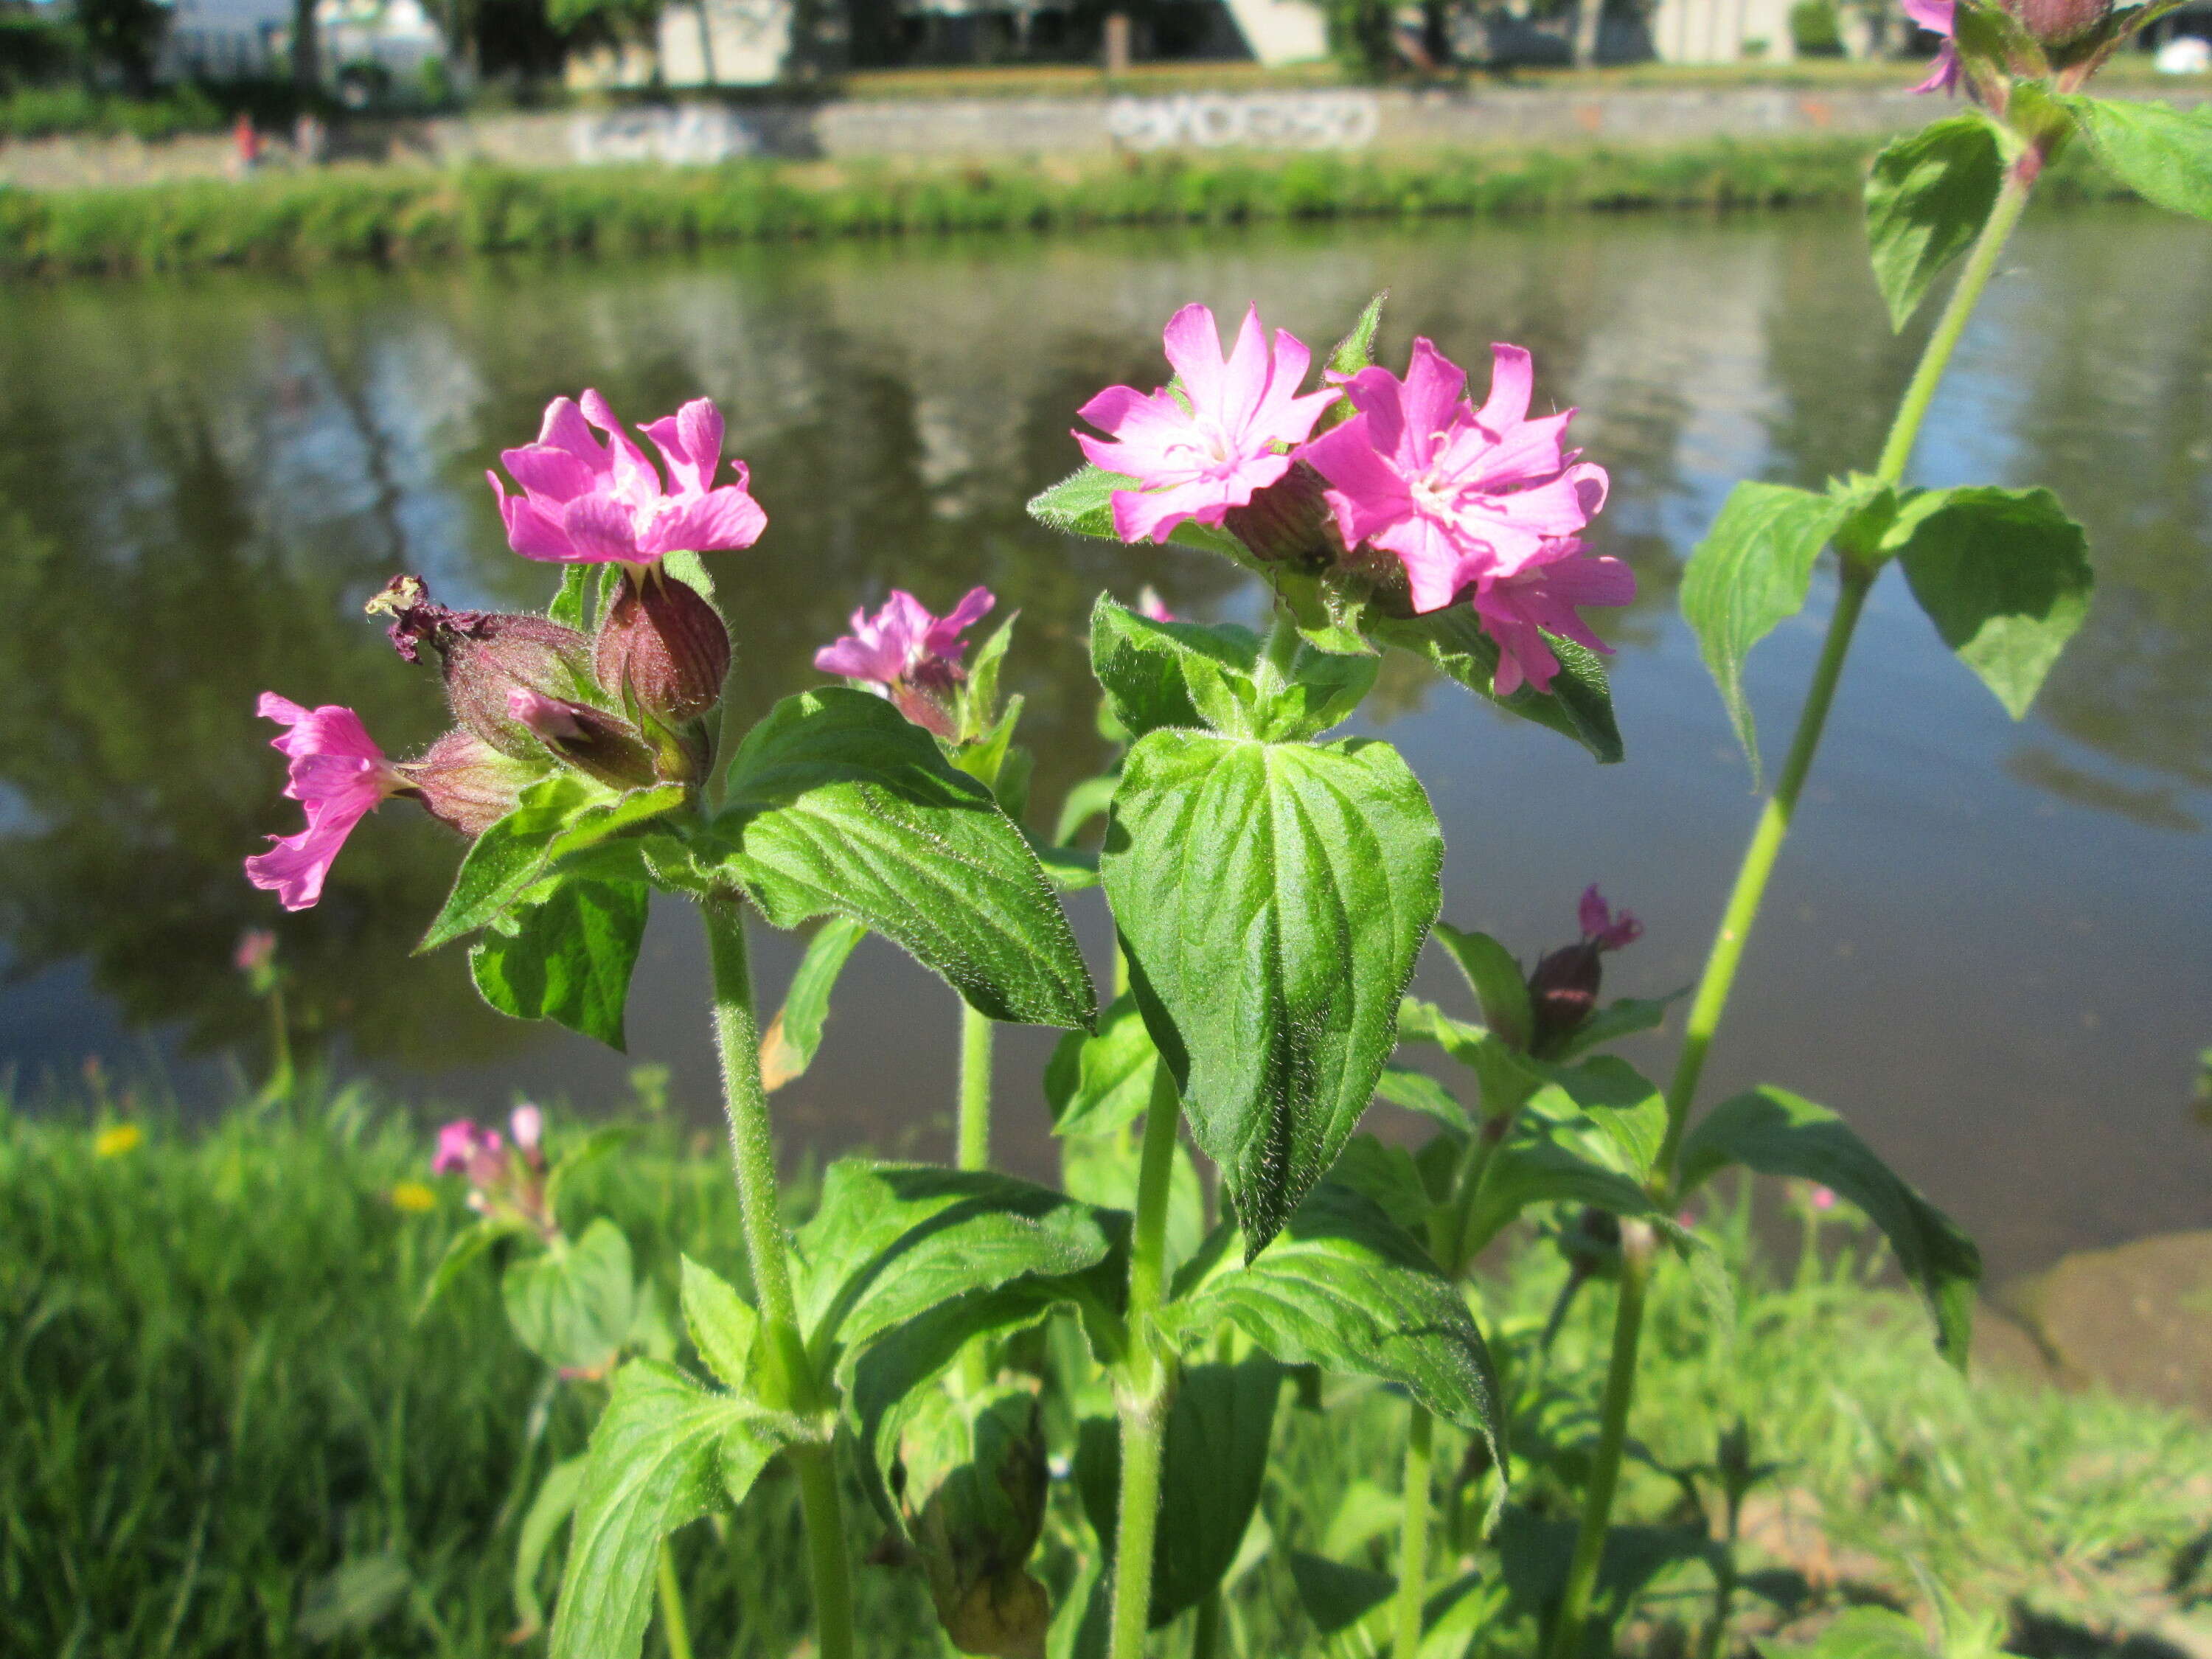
662	644
486	654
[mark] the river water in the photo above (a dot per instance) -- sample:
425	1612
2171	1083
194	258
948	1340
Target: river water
1987	944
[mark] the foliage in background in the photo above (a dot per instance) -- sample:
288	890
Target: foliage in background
427	216
229	1433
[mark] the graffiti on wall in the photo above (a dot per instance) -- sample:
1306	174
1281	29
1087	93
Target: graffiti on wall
691	134
1207	120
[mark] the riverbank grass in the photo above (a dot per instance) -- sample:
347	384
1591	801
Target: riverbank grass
400	213
232	1431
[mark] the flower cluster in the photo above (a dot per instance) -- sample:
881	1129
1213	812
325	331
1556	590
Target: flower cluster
1480	503
506	1177
623	705
2067	39
910	656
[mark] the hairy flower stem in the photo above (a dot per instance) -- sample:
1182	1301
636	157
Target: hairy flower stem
675	1627
1413	1535
975	1149
752	1149
1147	1379
1737	920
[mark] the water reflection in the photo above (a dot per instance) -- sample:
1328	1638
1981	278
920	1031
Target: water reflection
200	483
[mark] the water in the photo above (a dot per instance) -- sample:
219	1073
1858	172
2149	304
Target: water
1986	944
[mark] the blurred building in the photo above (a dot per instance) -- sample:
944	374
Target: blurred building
365	44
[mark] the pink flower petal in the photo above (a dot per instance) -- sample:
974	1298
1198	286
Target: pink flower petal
718	521
1193	349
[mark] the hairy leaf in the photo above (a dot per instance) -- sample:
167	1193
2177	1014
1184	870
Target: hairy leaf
1271	899
574	1305
1500	988
565	953
794	1036
838	805
721	1323
542	1522
1082	504
1096	1084
2003	574
1751	573
2162	154
1927	199
1345	1288
1778	1134
1579	704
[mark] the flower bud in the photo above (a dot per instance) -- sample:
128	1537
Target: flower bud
1288	522
971	1488
2061	22
1562	992
599	744
526	1124
662	644
486	654
463	781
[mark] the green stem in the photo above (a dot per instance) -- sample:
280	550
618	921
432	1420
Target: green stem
1935	356
675	1628
1413	1535
280	1084
1148	1378
975	1149
1724	1582
1278	651
1612	1437
788	1381
1206	1626
973	1152
1744	899
829	1563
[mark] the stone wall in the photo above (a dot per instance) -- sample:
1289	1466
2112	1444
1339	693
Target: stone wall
1008	128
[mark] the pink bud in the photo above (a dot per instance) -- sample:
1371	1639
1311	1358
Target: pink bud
1823	1199
257	949
661	644
597	743
527	1125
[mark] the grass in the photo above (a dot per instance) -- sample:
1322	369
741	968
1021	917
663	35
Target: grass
405	215
229	1432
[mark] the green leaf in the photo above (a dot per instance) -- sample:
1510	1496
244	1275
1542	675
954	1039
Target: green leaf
1861	1633
1271	899
721	1323
572	1307
572	606
1417	1091
1087	800
662	1451
983	682
794	1036
1147	668
1082	504
548	1513
464	1248
1356	350
1579	704
1535	1168
1623	1017
566	956
2003	574
839	805
1102	1171
1214	1462
2162	154
890	1241
1337	1597
1097	1084
1626	1107
1928	197
1505	1076
1386	1174
562	817
1500	988
1751	573
1778	1134
579	1156
1068	869
1345	1288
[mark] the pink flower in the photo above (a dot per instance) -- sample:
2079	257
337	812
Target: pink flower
1228	434
460	1143
583	502
1543	598
1152	607
1824	1198
340	775
527	1125
1935	16
1602	926
912	656
1463	496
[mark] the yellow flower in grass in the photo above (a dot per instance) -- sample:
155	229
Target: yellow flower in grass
116	1139
414	1198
